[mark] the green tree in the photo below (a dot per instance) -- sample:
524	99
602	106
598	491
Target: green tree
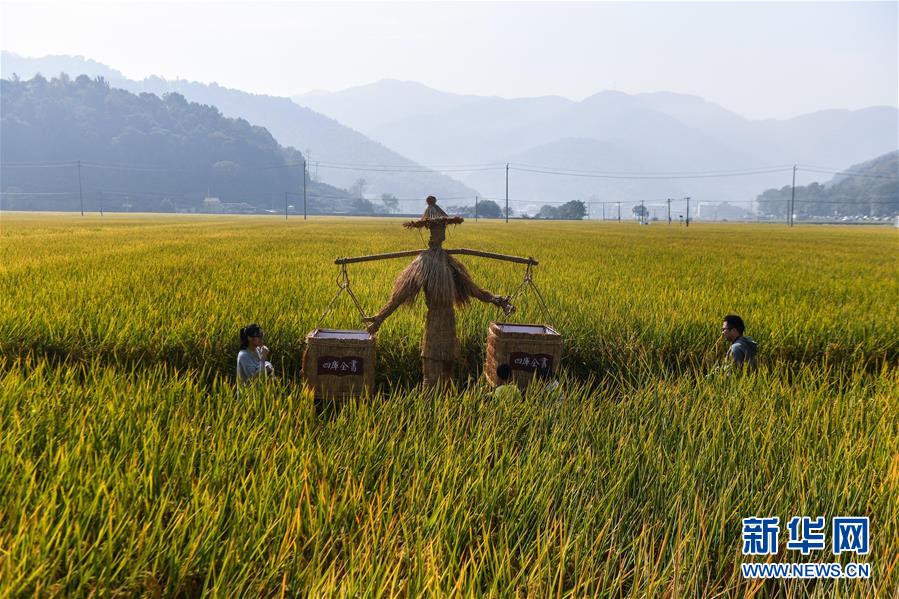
357	189
573	210
489	209
391	202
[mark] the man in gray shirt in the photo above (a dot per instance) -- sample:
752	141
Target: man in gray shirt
743	349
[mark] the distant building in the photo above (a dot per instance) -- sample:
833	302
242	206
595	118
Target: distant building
212	204
722	211
239	208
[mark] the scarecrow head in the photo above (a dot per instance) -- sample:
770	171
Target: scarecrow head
435	220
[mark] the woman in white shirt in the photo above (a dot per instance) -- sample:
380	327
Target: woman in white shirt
252	359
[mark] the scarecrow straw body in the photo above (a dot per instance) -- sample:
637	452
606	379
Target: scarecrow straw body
446	283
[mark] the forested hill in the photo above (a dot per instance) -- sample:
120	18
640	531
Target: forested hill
139	152
326	140
869	189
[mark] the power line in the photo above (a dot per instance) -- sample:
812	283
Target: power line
643	177
435	167
382	169
38	164
657	203
36	193
290	164
775	167
831	168
128	167
460	168
858	203
847	173
181	194
374	200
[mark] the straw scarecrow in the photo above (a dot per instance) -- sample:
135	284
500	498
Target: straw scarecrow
446	283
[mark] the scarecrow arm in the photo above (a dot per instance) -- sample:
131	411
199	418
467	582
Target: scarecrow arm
405	288
389	308
466	287
487	297
373	257
484	295
507	258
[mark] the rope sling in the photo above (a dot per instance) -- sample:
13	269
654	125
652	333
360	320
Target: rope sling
528	283
343	284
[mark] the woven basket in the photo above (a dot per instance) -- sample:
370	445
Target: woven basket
339	363
524	347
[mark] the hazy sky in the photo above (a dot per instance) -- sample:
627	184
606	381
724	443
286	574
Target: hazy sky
759	59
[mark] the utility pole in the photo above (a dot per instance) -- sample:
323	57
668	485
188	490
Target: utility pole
507	192
304	188
619	212
792	198
669	211
688	210
80	194
285	204
643	218
603	211
476	209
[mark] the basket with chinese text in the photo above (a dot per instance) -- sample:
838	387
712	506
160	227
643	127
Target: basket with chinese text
339	363
524	347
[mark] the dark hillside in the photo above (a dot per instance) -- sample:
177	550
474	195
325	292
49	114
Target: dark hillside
139	152
869	189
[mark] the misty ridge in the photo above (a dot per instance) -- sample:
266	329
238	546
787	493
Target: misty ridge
609	132
379	140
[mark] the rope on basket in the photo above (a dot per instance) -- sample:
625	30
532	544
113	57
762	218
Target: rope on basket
343	284
529	282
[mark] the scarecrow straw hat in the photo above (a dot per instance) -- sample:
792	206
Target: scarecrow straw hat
433	216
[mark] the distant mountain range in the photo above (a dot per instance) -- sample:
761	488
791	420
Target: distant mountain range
608	147
78	143
324	139
610	132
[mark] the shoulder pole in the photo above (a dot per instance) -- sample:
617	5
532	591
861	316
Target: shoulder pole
507	258
460	251
373	257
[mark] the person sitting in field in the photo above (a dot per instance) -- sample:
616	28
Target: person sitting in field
507	389
743	349
252	359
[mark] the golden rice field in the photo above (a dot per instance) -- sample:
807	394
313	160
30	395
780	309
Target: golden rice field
128	466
